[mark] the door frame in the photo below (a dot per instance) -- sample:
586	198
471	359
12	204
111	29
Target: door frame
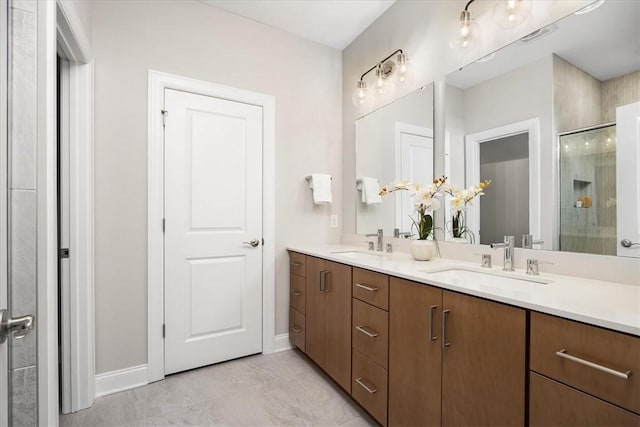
4	220
158	82
472	168
78	316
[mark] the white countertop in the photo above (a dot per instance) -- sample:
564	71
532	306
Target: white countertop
610	305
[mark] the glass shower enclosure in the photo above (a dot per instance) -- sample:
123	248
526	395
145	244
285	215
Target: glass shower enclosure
588	190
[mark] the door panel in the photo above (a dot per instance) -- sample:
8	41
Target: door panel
415	355
415	165
315	314
338	324
213	203
483	367
628	178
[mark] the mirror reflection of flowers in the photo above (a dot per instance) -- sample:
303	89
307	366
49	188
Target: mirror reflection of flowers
425	199
460	199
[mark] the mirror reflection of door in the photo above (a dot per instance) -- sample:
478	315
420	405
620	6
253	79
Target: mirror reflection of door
505	209
414	163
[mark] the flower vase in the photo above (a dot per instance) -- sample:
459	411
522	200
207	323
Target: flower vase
422	250
458	228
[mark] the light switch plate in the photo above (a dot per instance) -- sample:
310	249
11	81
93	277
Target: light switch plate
334	221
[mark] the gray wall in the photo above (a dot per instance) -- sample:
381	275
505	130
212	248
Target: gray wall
505	206
192	39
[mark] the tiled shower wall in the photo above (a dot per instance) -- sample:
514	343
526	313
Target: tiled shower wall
22	205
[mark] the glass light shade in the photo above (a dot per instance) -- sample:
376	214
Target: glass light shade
511	13
360	96
468	33
379	84
403	70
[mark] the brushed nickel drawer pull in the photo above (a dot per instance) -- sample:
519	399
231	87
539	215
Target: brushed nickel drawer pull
297	264
296	329
366	288
296	293
624	375
445	340
365	386
366	332
432	311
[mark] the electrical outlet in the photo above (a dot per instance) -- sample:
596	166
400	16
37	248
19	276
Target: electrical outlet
334	221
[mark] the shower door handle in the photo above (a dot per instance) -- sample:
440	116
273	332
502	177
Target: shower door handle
18	326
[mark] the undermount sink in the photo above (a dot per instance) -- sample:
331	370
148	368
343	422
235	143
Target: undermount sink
361	255
449	274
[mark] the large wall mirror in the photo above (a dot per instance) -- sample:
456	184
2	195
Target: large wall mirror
393	144
553	121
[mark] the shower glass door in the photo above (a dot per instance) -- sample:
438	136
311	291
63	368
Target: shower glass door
588	191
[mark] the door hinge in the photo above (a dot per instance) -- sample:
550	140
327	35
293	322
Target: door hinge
263	241
165	113
63	253
164	225
164	330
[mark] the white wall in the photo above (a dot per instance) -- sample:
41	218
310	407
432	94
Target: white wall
196	40
423	30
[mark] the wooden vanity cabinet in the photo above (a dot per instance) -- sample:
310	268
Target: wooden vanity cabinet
483	362
328	318
415	354
370	342
583	365
297	299
454	359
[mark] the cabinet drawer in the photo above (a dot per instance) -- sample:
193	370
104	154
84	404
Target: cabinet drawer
555	404
371	332
297	329
297	264
371	287
575	354
369	386
297	293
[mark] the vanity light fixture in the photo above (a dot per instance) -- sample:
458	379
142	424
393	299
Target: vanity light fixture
511	13
384	70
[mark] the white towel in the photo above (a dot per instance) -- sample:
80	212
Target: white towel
370	191
321	185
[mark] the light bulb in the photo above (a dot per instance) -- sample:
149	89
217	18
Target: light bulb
404	71
511	13
379	86
468	33
360	96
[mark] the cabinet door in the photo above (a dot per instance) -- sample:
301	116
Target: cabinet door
315	312
337	321
483	362
415	372
554	404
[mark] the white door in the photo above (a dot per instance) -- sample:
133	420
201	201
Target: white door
628	178
416	165
213	203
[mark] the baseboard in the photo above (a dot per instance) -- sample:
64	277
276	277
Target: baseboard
281	343
120	380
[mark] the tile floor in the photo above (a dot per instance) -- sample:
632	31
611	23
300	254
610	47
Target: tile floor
264	390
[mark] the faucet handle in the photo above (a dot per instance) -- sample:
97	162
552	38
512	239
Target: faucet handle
486	259
533	264
371	247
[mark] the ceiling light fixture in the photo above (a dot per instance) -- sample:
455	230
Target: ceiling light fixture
511	13
590	8
401	69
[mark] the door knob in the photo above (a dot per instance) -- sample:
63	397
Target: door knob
19	326
626	243
253	243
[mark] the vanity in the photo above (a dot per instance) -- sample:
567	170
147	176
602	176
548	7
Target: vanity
446	343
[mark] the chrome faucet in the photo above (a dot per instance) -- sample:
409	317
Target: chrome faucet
508	245
380	236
